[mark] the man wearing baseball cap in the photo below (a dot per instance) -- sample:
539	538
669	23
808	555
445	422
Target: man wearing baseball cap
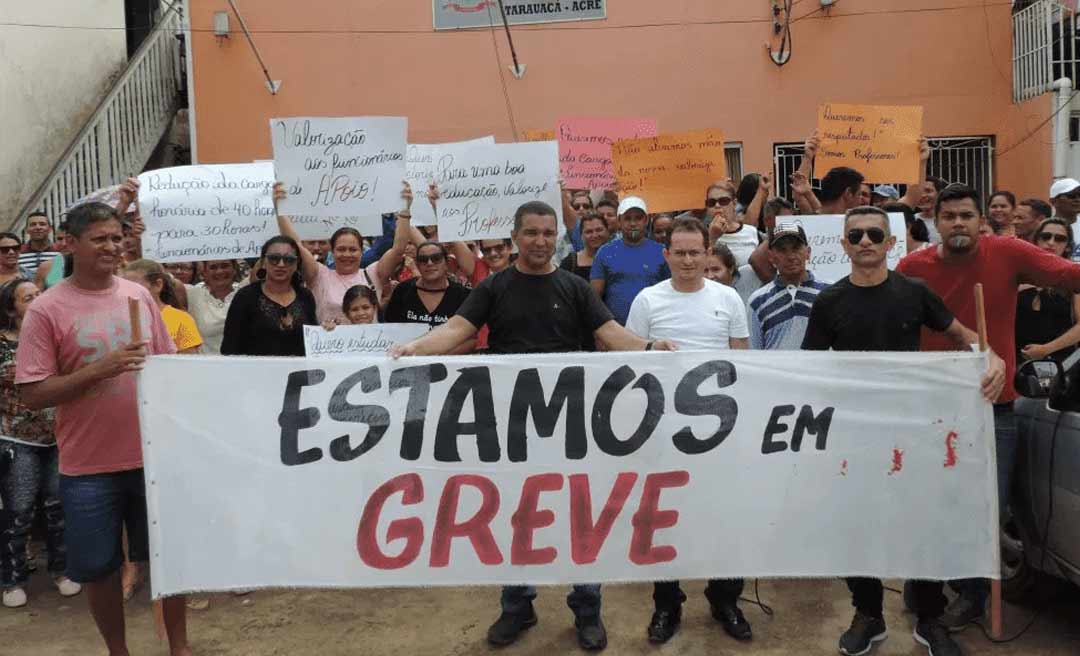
628	264
1065	197
882	194
779	311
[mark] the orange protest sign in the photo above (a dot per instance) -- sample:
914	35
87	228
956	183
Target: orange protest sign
671	171
880	142
539	135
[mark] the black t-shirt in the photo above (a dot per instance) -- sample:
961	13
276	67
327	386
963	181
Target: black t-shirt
256	325
570	264
886	317
406	307
1044	325
550	313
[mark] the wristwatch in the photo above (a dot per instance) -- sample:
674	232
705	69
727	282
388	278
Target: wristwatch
649	345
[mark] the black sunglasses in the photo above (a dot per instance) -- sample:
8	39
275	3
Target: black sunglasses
434	258
723	201
278	258
855	235
488	250
1043	236
9	249
582	206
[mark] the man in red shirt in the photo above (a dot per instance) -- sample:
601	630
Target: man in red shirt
952	269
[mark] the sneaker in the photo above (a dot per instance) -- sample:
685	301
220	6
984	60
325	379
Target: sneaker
66	586
935	637
863	633
591	634
733	621
509	627
962	612
14	598
664	624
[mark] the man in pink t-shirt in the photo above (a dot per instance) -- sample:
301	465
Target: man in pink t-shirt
76	354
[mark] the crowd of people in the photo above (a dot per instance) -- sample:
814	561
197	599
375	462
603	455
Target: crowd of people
731	274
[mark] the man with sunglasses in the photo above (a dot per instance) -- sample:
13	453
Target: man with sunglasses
952	269
1065	197
535	307
779	311
625	266
875	309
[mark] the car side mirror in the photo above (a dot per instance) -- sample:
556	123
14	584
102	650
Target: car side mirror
1035	378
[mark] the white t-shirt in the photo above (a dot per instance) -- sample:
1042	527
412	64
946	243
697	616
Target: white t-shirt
742	243
209	314
705	319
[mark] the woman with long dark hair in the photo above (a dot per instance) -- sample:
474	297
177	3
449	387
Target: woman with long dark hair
594	234
1001	213
29	462
1046	319
268	316
432	298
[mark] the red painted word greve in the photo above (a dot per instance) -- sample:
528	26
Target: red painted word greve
586	537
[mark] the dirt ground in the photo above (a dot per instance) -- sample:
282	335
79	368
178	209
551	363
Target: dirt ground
809	618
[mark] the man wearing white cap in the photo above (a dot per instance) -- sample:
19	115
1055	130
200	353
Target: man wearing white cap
1065	197
625	266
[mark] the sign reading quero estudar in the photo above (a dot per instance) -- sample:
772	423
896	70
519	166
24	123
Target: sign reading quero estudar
460	14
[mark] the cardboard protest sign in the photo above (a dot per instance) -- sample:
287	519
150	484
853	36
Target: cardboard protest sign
370	339
585	148
566	468
208	212
671	171
880	142
481	186
421	169
335	167
539	135
825	234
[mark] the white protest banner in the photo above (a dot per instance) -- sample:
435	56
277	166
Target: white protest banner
825	234
481	186
336	167
208	212
421	169
566	468
369	339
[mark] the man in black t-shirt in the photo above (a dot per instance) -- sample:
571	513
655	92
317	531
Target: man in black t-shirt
535	307
875	309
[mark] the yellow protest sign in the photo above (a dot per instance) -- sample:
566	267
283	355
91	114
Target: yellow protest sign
539	135
881	142
671	171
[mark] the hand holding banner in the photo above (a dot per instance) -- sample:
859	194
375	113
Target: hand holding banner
880	142
671	171
585	148
340	166
211	212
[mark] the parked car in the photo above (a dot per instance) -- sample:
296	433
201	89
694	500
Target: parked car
1043	536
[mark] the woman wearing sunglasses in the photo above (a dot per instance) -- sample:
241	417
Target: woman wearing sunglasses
1046	319
10	245
329	285
725	226
268	316
432	298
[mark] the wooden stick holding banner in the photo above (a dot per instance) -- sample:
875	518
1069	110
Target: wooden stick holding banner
135	317
995	584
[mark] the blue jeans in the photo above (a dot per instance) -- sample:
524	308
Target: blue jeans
584	600
31	475
1005	436
97	508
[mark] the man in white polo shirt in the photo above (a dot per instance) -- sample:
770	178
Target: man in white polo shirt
695	313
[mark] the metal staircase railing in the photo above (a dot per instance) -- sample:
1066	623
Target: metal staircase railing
122	133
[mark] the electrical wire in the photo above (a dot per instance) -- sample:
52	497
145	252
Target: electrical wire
1032	133
756	601
540	27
